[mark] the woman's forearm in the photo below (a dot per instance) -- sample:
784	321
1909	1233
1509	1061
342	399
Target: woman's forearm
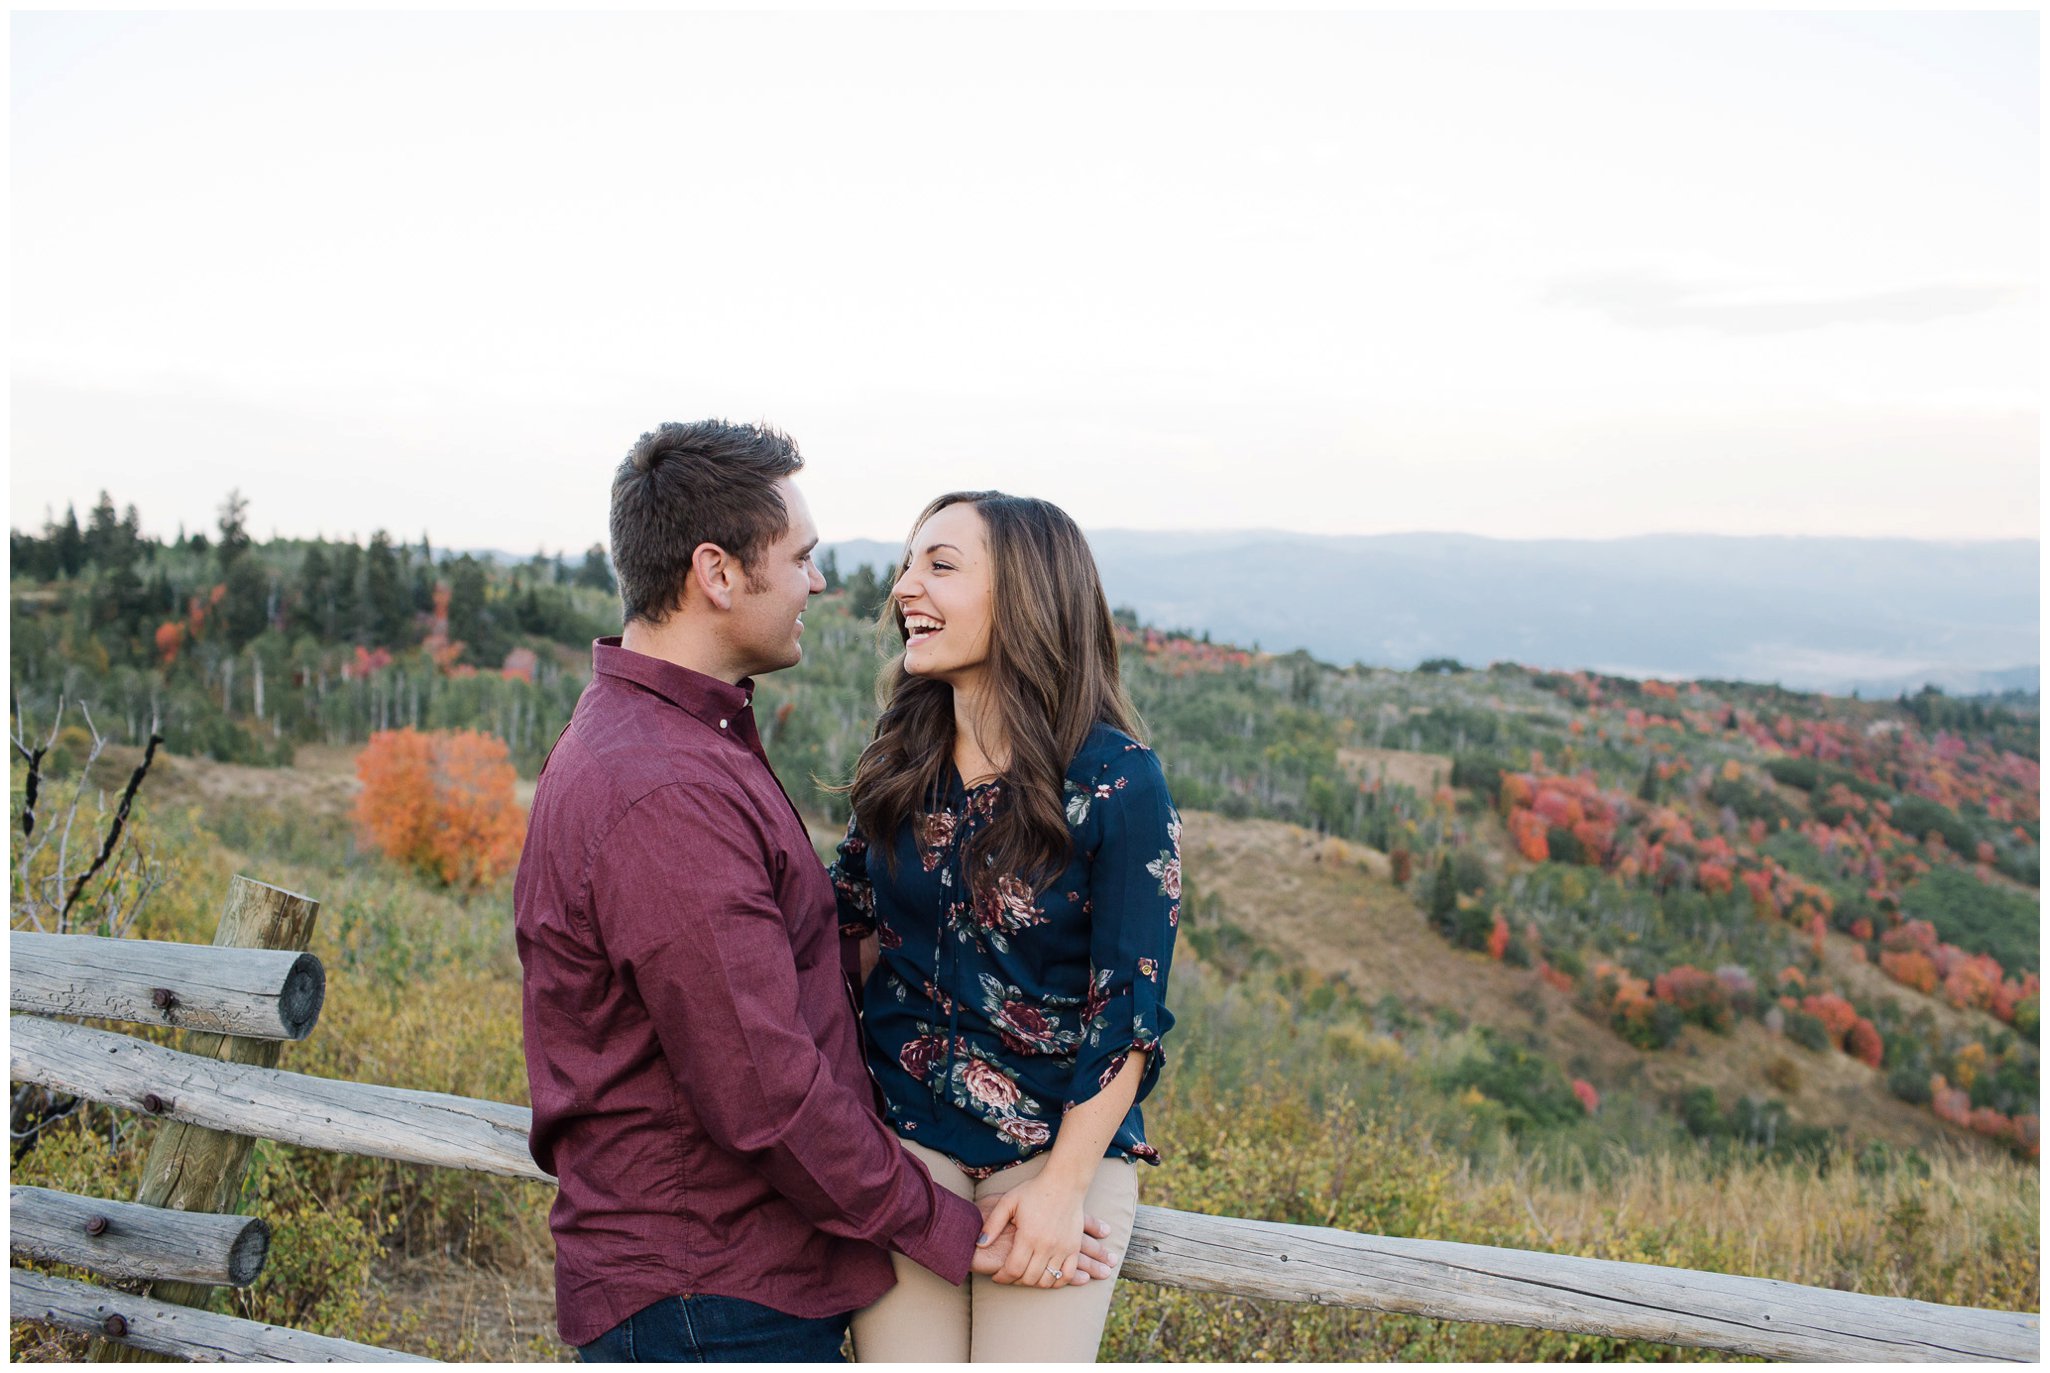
1087	1130
870	953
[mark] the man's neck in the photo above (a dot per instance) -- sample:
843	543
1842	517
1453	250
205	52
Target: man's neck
682	641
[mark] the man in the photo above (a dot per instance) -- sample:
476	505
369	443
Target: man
698	1086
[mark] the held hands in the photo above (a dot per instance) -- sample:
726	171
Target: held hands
1051	1241
997	1252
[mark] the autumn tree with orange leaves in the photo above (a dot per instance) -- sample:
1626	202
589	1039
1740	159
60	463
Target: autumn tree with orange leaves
441	802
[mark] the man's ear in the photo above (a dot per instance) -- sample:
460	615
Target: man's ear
714	572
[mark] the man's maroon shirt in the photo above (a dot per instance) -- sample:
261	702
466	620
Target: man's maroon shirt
697	1078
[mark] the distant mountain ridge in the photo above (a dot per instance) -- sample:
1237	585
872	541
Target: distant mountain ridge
1824	614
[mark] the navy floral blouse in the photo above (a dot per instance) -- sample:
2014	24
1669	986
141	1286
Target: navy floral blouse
985	1019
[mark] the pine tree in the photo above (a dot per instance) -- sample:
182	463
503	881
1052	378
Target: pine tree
467	621
388	607
865	594
350	620
594	573
103	534
234	526
69	544
1444	895
1648	789
316	592
245	607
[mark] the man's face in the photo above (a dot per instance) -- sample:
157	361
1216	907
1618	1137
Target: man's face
768	602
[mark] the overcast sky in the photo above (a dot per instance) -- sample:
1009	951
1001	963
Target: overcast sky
1523	275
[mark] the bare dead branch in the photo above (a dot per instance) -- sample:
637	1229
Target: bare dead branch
149	754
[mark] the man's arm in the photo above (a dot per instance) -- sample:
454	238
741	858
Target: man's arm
688	914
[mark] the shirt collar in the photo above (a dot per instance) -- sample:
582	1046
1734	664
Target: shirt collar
707	698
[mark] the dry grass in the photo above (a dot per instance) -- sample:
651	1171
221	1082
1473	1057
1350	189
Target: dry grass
466	1313
1891	1234
1423	773
321	781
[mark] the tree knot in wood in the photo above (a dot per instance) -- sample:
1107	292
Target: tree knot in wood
163	998
96	1226
154	1104
115	1325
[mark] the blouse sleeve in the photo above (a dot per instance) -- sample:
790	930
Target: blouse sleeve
852	891
855	896
1135	885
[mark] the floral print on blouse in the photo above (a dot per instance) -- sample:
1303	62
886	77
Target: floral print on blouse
986	1017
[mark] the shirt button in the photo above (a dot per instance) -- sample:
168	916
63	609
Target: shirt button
722	724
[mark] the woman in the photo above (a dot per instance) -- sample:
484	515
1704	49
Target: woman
1018	907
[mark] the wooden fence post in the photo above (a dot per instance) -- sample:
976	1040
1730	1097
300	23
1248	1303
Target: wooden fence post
195	1169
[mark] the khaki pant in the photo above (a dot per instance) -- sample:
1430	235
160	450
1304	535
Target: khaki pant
926	1319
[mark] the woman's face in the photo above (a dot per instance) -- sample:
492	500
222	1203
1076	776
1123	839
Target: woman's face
944	598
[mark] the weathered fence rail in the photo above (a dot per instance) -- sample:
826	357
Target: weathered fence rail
182	1332
125	1239
1642	1301
241	1099
270	1103
256	993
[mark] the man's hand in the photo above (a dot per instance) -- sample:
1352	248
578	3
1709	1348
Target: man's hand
1095	1260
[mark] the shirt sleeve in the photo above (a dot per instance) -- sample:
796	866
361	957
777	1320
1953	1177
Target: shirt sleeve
1135	884
852	891
689	916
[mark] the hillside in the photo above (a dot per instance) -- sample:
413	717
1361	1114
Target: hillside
1703	973
1671	860
1269	898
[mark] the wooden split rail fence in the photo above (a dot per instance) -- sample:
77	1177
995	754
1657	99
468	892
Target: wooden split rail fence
223	1090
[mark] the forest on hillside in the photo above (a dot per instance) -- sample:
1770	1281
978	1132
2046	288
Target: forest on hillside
1671	852
1853	883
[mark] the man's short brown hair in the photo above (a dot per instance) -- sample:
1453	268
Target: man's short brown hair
684	485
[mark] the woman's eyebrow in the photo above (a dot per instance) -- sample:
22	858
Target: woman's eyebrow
931	549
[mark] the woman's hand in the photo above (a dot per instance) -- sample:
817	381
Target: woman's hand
1095	1261
1047	1213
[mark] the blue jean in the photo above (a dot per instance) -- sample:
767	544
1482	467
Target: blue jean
707	1329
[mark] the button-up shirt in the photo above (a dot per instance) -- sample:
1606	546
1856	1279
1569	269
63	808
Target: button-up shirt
695	1069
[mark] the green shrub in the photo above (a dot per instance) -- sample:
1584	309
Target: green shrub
1978	917
1808	1031
1916	816
1910	1082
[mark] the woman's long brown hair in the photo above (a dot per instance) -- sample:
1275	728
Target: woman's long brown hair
1053	675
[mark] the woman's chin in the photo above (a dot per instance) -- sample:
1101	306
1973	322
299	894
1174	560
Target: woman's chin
926	669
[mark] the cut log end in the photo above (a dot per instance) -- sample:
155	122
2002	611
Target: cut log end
304	992
247	1254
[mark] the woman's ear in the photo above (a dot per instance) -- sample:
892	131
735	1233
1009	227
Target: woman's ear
713	572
